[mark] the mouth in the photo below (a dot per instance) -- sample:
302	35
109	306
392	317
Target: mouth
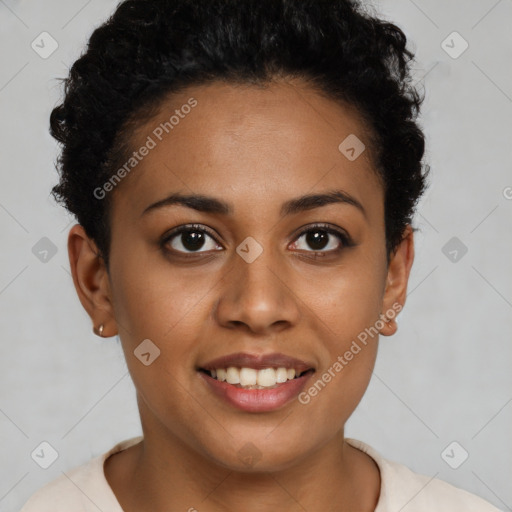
256	383
252	378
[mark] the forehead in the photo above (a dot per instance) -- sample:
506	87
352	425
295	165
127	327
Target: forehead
248	144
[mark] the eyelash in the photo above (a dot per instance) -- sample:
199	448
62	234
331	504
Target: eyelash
345	240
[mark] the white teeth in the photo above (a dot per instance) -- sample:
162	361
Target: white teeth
232	375
267	377
252	378
281	375
248	376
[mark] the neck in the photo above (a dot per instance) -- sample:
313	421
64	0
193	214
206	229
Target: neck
163	473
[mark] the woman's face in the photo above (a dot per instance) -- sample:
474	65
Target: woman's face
254	276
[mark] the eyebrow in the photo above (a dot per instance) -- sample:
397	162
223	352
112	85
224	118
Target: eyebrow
208	204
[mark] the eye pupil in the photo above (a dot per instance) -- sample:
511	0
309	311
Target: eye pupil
313	239
192	240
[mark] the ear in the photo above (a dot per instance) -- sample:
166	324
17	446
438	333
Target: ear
399	268
91	280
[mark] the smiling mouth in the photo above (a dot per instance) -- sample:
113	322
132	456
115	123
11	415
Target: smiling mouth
252	378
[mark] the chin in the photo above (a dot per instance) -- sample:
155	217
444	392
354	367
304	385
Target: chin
253	454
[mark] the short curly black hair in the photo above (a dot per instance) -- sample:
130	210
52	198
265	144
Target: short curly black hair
149	49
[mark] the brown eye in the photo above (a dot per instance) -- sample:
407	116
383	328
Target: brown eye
190	239
320	237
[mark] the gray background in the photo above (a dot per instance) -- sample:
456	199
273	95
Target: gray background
444	377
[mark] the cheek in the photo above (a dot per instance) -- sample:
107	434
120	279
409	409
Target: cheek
154	300
347	362
348	312
167	306
347	298
150	303
334	393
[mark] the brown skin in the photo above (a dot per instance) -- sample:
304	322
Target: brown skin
255	148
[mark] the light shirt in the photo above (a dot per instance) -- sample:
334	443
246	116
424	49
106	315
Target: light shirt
86	489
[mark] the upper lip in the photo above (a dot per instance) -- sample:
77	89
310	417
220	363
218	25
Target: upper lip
258	362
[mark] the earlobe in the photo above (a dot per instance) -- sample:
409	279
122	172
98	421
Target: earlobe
399	269
91	280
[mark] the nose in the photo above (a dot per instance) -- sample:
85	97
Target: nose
258	296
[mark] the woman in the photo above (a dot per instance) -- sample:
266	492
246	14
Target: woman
244	175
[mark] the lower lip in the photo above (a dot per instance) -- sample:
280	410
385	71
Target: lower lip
257	400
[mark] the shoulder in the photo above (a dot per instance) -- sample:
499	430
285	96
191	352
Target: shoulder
402	489
82	489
